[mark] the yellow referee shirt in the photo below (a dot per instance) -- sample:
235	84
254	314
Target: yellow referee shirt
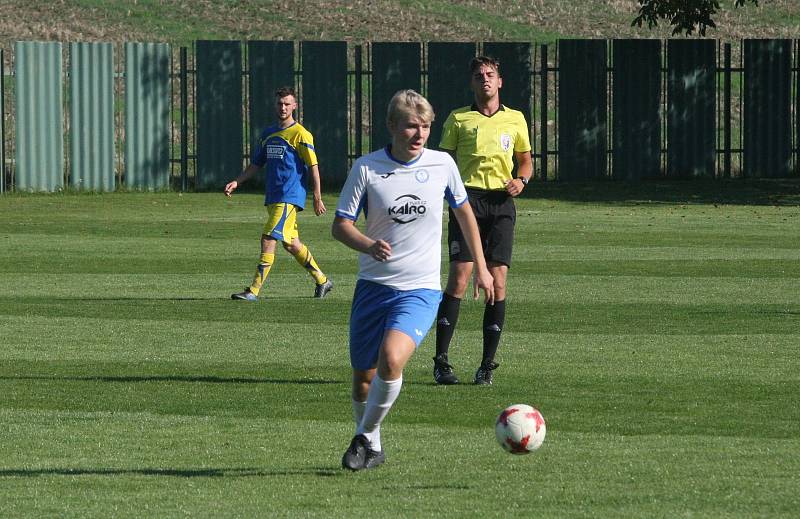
484	145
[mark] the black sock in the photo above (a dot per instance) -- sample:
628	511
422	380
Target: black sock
493	318
446	319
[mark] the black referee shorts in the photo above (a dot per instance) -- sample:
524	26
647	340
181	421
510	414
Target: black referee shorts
496	215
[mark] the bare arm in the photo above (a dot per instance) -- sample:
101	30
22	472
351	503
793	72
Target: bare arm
248	172
483	279
316	190
524	170
346	232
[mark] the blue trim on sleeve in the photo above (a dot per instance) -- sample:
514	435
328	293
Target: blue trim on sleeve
342	214
451	200
363	206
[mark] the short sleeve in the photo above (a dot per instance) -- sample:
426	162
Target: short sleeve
305	148
455	193
449	139
354	193
523	141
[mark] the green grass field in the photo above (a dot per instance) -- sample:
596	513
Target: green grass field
657	331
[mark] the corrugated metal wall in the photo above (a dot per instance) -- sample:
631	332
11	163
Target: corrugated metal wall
39	116
271	66
636	118
448	81
220	142
325	106
516	70
147	119
395	66
770	115
691	108
767	108
582	109
91	80
2	121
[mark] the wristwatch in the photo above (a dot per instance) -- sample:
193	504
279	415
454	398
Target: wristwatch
524	180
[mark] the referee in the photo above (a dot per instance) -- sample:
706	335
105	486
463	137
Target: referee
484	139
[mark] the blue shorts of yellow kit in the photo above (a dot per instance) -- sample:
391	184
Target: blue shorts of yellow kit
281	222
377	308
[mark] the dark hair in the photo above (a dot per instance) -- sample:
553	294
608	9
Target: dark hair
490	61
285	91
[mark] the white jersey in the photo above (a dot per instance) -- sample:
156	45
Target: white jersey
403	205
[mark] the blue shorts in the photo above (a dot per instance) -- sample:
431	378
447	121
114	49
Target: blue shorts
377	308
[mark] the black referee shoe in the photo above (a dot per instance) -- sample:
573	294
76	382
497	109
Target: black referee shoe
483	377
443	371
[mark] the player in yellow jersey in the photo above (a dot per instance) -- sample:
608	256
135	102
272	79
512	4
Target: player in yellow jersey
287	150
485	139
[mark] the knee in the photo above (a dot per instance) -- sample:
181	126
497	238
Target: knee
360	392
291	248
391	368
457	287
361	381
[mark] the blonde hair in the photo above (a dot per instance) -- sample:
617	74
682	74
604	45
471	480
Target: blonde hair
406	104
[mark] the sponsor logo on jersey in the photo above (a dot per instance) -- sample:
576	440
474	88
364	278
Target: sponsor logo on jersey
505	141
275	151
408	208
388	174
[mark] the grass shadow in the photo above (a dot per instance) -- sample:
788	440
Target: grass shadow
178	473
203	379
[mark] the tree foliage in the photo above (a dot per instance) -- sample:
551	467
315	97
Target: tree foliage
685	16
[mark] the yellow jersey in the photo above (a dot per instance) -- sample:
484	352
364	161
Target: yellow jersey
485	145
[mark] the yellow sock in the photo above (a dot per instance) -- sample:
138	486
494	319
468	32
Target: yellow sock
262	271
306	260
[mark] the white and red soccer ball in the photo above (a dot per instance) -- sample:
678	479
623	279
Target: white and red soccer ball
520	429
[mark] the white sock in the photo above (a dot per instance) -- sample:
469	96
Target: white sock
358	411
382	394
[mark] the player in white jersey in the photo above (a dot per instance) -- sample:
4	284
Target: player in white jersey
401	190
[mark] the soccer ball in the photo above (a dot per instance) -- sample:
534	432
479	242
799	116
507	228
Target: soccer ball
520	429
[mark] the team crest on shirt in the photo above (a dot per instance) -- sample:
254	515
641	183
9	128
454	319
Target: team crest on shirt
407	209
505	141
422	175
275	151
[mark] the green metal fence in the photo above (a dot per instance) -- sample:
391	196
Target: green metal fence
767	102
148	125
187	118
325	106
636	101
395	66
39	116
91	121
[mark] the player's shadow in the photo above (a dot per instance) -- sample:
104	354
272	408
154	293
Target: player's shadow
242	472
270	298
123	298
202	379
